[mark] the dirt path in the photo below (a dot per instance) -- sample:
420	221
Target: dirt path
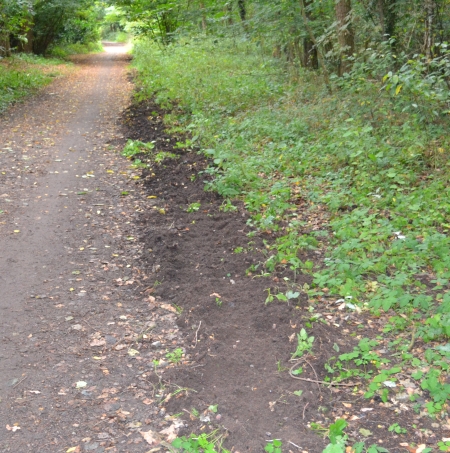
127	315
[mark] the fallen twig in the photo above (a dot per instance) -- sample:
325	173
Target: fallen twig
413	338
316	381
20	382
196	335
304	409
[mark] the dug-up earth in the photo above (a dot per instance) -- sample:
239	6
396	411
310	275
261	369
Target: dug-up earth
126	317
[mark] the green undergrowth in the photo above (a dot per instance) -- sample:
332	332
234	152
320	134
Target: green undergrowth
64	51
362	171
23	74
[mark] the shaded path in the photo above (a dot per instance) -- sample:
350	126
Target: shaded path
41	216
55	234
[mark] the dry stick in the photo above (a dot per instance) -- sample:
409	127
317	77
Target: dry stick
315	374
20	382
89	325
314	381
196	333
314	41
292	443
304	409
413	338
115	344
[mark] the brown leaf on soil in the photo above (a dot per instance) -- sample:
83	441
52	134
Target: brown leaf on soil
151	437
96	343
171	432
168	307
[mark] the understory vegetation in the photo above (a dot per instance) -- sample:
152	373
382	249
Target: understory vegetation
358	168
24	74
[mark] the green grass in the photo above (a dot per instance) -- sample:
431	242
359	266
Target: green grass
24	74
370	162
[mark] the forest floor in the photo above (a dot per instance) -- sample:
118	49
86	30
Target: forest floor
125	317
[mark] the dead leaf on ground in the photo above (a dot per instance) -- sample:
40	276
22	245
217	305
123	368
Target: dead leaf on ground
171	432
151	437
168	307
74	449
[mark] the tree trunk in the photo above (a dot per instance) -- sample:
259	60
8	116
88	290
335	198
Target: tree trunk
320	56
5	45
242	10
202	8
387	13
309	58
429	20
346	37
229	13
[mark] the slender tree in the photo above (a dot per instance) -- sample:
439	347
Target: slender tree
346	37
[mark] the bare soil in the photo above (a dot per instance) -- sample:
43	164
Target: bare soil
104	272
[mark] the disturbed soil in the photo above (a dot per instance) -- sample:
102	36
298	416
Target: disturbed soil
128	314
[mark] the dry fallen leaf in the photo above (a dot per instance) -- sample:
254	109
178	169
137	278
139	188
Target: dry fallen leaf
74	449
168	307
171	432
96	343
151	437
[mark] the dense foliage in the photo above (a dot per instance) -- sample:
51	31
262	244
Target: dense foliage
329	120
34	25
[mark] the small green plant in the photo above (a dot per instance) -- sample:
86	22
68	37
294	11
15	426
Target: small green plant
213	408
178	309
274	446
304	344
238	250
443	446
205	443
184	145
227	206
134	147
193	207
175	356
280	367
219	301
396	428
159	157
